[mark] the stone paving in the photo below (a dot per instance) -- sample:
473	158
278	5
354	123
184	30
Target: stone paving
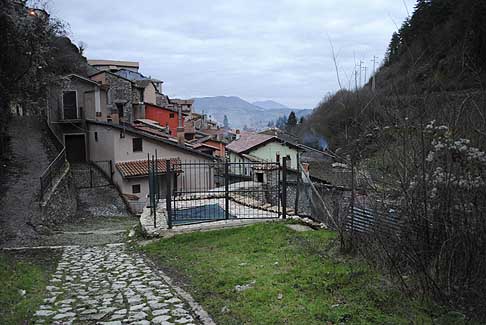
110	285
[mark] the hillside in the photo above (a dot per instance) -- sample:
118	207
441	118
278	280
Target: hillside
417	146
269	104
439	52
241	112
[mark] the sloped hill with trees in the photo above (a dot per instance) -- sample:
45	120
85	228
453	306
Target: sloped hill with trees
417	147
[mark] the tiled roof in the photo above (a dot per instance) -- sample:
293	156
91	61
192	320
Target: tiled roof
248	142
136	168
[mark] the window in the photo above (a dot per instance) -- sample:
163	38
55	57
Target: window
136	188
96	136
137	144
277	157
70	105
171	115
259	177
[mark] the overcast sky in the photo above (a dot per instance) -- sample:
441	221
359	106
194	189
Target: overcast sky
254	49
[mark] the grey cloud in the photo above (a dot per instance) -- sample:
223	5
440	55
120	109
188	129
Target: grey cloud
254	49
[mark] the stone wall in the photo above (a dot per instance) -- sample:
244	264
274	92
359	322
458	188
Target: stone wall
120	92
59	204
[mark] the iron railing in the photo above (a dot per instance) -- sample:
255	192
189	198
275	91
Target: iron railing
53	170
196	192
56	166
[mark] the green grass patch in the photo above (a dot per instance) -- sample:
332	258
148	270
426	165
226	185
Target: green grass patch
26	272
294	278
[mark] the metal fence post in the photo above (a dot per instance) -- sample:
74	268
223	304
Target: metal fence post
297	188
226	190
284	187
154	196
168	194
111	171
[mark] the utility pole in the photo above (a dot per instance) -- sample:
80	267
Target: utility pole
365	70
373	82
360	68
355	79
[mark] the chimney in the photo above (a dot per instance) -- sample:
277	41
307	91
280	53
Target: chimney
238	134
180	128
305	168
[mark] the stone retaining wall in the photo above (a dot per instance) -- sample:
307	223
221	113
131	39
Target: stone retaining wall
59	204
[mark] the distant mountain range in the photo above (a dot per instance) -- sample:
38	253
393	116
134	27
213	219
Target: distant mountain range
269	104
240	112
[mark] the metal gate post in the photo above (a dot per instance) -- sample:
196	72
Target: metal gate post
284	187
111	171
226	190
168	195
154	197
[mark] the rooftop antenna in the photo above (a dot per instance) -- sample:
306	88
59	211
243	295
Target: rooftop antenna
360	68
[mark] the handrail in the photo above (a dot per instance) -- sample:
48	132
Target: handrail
55	166
52	170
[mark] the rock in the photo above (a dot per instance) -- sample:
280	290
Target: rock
159	312
62	316
225	310
44	313
244	287
279	296
160	319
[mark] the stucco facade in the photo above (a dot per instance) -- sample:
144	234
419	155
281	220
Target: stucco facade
113	143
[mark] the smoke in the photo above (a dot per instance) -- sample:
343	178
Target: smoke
314	140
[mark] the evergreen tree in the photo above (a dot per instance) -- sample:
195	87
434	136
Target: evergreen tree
281	122
226	122
301	120
292	120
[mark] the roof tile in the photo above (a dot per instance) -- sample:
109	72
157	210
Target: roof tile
137	168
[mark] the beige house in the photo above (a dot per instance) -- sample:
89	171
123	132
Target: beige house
114	65
262	147
74	100
128	149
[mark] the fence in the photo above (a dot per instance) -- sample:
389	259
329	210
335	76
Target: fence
93	174
367	221
338	209
209	191
56	166
53	170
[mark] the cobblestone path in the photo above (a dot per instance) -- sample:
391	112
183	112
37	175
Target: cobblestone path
110	285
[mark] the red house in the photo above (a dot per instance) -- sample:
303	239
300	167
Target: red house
165	117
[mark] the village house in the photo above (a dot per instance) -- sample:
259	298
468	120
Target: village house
113	65
250	148
128	149
74	100
102	119
168	117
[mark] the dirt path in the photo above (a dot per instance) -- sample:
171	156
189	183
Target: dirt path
20	183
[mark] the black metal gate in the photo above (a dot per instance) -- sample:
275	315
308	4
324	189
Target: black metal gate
211	191
93	174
